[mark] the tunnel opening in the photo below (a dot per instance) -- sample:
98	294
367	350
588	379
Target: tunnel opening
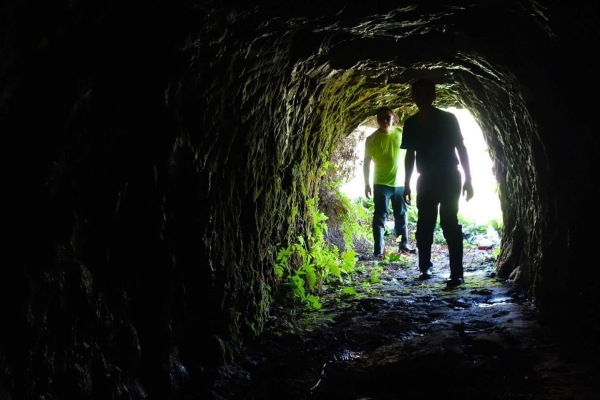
396	95
481	218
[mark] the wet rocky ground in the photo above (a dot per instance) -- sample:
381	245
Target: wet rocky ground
396	337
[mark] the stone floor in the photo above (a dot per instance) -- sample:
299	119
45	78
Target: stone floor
396	337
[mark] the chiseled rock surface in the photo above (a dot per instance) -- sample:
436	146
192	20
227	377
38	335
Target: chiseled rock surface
155	157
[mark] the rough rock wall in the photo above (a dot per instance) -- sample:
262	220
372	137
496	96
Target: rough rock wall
154	157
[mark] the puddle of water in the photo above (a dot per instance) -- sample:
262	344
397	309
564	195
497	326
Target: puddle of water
489	305
348	355
500	299
476	272
410	334
496	301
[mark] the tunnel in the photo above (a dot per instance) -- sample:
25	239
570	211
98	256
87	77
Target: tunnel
157	155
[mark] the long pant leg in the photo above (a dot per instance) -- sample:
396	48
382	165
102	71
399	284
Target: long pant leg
450	197
399	209
427	211
381	199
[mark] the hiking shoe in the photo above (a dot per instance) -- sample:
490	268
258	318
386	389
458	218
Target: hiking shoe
427	273
382	254
424	276
454	282
407	250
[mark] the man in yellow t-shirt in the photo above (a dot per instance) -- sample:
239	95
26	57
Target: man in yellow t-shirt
383	148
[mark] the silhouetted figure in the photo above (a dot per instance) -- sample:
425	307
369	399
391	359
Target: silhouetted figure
433	138
383	148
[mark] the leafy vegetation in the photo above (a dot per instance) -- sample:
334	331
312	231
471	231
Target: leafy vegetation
311	265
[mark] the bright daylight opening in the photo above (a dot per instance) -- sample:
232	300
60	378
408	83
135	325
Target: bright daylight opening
485	204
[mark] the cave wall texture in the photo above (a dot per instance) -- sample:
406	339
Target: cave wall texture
153	155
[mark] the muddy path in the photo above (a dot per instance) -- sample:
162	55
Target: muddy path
401	338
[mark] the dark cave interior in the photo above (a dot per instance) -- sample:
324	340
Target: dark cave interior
153	154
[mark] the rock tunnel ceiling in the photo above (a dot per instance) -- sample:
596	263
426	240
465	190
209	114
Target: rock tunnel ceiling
189	138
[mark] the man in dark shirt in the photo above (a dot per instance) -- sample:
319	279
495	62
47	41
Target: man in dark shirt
433	138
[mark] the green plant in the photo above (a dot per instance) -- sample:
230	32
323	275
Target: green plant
412	215
281	262
349	261
438	234
471	228
376	271
498	226
496	253
394	257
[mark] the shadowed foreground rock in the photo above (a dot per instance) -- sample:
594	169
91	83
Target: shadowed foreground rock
402	338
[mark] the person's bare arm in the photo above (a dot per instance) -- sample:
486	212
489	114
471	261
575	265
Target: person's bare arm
409	165
367	175
464	162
